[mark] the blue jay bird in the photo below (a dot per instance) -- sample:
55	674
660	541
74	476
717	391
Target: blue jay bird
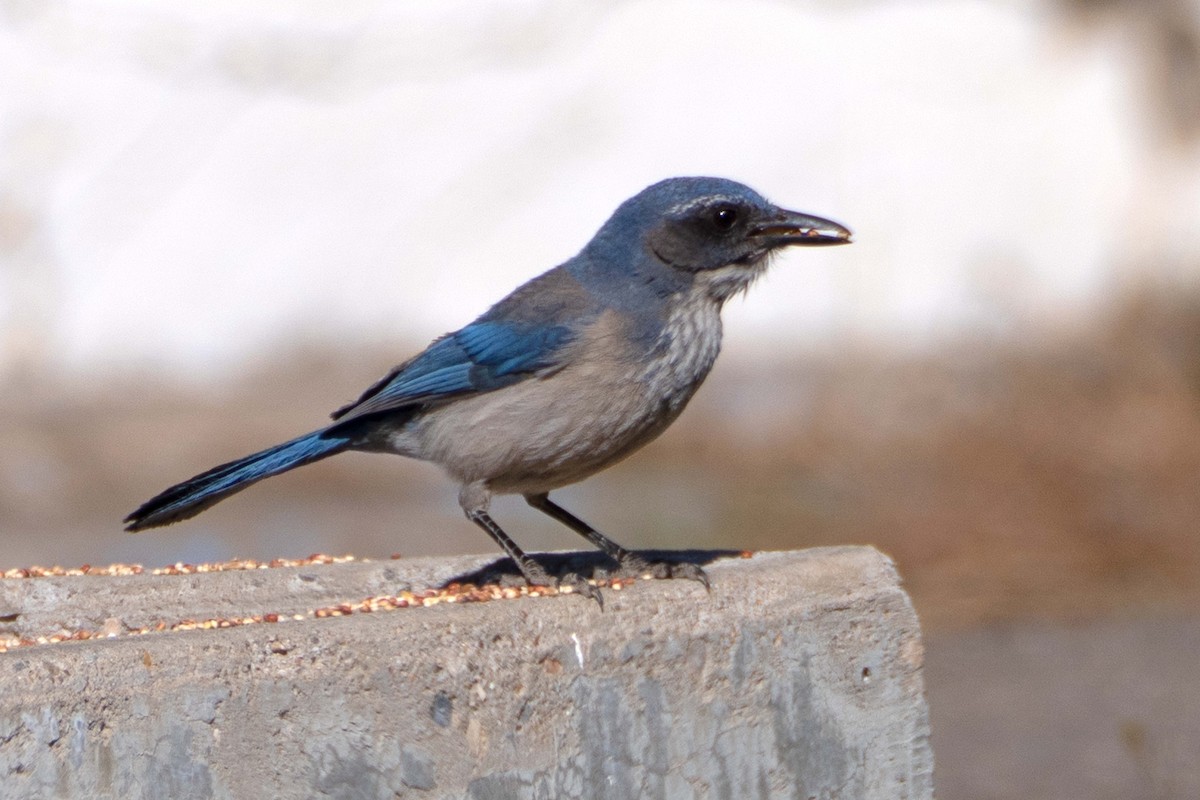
569	374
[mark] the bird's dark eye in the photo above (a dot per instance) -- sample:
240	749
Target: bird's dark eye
724	217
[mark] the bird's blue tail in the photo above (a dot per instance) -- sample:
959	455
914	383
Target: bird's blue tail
189	498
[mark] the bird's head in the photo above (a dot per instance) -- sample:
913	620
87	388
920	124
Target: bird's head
717	231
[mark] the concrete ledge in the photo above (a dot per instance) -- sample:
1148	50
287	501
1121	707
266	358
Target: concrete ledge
800	676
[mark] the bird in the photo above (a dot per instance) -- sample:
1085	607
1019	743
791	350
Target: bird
567	375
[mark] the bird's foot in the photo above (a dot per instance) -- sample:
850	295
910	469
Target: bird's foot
568	583
639	566
574	583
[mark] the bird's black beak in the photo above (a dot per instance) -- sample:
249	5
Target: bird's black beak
792	227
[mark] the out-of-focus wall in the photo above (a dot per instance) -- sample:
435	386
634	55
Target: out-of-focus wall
184	185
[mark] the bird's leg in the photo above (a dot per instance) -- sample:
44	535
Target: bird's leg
631	563
533	571
474	502
543	503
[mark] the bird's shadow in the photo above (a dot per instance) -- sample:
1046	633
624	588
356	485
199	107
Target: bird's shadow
588	564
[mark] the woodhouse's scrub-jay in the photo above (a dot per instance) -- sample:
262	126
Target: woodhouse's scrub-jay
567	375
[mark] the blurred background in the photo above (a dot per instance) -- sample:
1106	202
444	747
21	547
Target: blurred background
219	222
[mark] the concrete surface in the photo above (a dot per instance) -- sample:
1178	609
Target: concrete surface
798	677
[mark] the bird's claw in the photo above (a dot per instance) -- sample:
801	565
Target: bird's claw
641	567
570	583
577	584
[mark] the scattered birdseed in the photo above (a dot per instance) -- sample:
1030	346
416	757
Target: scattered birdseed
113	628
179	568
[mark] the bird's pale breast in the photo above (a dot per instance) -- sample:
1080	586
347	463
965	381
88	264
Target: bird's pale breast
602	405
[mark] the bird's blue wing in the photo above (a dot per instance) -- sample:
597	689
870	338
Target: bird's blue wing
481	357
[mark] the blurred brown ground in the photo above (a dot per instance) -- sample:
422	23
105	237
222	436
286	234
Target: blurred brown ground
1009	481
